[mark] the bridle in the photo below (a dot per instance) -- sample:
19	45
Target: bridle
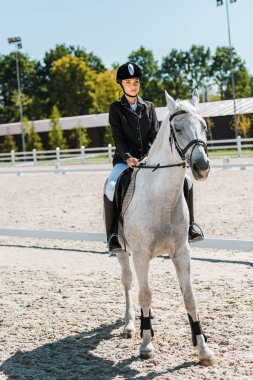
181	151
195	142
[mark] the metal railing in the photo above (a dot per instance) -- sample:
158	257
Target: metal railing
217	148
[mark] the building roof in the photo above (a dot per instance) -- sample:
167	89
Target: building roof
209	109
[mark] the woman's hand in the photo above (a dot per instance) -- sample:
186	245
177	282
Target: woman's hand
132	161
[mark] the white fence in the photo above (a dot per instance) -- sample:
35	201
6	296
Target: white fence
217	148
239	146
57	156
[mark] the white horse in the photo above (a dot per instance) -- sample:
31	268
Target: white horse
157	219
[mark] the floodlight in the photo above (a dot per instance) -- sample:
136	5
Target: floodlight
13	40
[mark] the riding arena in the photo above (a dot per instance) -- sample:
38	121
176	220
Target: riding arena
62	303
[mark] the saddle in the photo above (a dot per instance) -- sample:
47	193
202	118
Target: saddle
124	191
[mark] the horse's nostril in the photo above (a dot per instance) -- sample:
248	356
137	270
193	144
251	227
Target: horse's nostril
201	165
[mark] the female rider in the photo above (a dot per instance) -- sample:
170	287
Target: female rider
134	128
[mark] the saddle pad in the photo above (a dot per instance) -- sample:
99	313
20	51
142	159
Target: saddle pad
128	196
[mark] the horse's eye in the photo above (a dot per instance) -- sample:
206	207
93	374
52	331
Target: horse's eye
178	130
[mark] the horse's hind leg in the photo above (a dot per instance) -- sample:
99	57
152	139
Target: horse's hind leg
141	264
182	265
126	279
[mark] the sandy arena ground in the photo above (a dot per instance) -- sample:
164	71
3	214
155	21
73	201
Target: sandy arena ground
61	302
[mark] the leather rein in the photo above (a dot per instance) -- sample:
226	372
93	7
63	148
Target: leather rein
181	152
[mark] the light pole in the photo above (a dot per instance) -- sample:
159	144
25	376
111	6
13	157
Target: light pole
219	3
18	44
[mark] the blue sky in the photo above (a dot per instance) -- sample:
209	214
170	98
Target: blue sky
112	29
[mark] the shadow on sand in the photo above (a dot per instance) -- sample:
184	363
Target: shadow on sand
222	261
72	358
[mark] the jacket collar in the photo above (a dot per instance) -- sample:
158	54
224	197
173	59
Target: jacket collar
125	102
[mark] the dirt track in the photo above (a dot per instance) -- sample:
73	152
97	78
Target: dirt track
62	302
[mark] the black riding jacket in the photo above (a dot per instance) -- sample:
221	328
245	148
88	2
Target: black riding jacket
133	131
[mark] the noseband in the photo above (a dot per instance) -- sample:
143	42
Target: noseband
195	142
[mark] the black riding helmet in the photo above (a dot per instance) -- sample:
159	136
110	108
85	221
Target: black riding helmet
127	71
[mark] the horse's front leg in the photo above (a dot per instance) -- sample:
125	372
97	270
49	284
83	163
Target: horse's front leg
126	279
182	264
141	263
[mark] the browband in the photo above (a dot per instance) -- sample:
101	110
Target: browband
175	114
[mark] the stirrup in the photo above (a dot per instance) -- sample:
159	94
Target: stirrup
199	235
113	252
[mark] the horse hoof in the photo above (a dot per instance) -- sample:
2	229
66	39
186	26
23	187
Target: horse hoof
128	334
146	355
208	361
147	350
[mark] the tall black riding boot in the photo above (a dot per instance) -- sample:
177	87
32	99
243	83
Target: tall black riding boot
111	224
193	234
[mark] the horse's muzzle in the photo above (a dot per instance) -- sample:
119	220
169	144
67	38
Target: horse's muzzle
200	170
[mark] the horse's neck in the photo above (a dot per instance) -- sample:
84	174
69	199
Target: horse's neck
161	151
165	181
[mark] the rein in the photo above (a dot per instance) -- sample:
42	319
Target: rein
180	151
158	166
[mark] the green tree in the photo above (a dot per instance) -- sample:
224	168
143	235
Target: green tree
251	86
73	86
8	86
61	50
107	90
242	84
221	73
198	60
79	136
32	138
244	125
91	60
151	87
174	68
46	84
9	143
56	138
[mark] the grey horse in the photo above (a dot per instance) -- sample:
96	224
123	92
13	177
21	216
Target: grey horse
156	220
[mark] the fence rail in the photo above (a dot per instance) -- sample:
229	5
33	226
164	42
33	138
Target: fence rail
57	156
217	148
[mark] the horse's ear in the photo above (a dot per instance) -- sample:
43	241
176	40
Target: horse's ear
171	104
195	98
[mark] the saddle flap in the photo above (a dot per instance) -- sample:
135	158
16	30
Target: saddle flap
121	187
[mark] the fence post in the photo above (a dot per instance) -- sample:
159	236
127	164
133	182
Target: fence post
34	157
110	152
239	146
226	163
13	157
83	154
58	158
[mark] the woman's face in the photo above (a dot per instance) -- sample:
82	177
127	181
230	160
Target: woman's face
131	86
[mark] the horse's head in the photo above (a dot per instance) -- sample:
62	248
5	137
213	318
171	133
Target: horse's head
188	130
